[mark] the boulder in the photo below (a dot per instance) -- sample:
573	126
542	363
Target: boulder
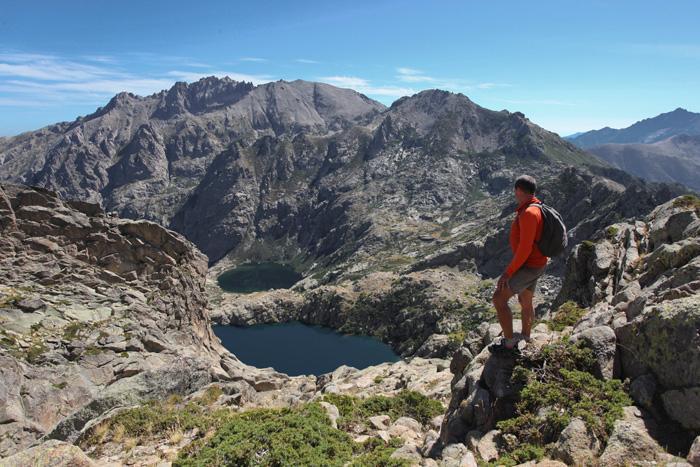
485	445
630	441
577	445
50	453
332	412
683	405
457	455
601	339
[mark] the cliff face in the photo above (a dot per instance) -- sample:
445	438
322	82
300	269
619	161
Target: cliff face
96	312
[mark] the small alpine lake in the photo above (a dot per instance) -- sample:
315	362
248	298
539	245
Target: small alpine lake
253	277
295	348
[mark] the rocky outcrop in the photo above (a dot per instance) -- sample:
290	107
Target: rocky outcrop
639	283
430	377
642	280
51	453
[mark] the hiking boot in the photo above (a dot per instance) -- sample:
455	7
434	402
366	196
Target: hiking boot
500	347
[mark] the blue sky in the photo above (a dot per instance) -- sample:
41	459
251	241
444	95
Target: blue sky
569	66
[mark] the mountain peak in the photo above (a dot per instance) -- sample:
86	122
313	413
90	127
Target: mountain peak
648	130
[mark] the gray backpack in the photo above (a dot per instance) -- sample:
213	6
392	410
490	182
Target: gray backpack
553	240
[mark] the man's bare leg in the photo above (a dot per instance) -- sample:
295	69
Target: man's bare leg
527	311
505	317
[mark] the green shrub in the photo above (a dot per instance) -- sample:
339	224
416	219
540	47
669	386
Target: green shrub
155	418
588	244
376	452
289	436
521	455
273	437
687	201
612	231
567	314
72	330
35	351
557	385
355	411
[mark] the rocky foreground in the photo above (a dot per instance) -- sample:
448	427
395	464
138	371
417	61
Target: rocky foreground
639	283
108	356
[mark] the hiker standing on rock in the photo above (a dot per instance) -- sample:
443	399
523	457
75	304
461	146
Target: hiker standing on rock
530	252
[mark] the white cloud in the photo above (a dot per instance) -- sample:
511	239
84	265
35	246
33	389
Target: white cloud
100	58
4	102
411	75
414	75
345	81
392	91
50	80
365	87
49	68
253	59
306	60
409	71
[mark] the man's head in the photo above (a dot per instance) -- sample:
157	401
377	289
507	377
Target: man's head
525	187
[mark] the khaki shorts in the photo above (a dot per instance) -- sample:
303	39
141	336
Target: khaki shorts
525	278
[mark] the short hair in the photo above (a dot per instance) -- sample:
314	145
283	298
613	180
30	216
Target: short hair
526	183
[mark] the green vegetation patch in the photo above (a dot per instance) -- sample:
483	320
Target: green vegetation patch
687	201
520	455
301	435
356	411
289	436
611	232
567	314
588	244
156	418
557	386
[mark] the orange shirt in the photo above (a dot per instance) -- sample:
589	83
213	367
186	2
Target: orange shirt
525	230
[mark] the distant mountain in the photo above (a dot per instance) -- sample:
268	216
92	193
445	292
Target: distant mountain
675	159
322	177
649	130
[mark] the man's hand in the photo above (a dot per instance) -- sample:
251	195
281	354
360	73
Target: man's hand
502	282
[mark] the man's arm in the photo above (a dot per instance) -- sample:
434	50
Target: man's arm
528	229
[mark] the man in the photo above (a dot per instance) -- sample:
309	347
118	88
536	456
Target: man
527	265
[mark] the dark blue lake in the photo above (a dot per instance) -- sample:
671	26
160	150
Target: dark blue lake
251	277
299	349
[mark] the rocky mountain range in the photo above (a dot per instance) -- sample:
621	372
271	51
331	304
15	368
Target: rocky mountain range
649	130
318	176
675	159
664	148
